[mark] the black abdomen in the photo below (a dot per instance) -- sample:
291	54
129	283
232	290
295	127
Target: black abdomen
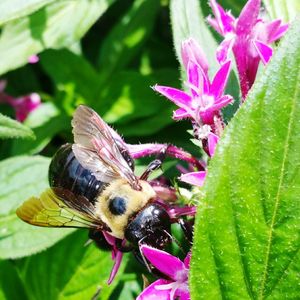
65	171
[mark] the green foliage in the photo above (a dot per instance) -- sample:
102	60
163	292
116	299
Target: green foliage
55	25
285	10
246	243
107	54
20	178
10	128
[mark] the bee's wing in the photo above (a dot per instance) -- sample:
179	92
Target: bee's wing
57	207
97	150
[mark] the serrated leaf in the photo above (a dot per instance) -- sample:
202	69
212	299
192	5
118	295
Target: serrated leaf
14	9
188	21
56	25
246	242
20	178
10	128
127	37
68	270
282	9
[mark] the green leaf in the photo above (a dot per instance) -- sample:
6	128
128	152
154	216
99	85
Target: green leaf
46	121
11	287
127	37
246	242
75	72
188	21
284	10
10	128
56	25
20	178
68	270
14	9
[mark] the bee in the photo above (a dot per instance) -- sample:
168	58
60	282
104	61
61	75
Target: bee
93	185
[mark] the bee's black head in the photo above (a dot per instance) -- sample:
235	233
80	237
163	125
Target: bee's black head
151	226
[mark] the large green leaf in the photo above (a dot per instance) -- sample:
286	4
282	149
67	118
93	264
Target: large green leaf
10	128
246	243
188	21
14	9
127	37
20	178
282	9
56	25
68	270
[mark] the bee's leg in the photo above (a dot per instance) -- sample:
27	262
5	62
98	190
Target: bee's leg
155	164
123	248
187	229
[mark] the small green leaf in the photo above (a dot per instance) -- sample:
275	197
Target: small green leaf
10	128
246	242
14	9
188	21
20	178
56	25
46	121
68	270
284	10
127	37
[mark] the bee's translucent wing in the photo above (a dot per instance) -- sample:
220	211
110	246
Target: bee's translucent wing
57	207
97	150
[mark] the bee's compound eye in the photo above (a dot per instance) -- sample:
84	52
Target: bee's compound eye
117	206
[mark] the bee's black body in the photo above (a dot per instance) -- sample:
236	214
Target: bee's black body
66	172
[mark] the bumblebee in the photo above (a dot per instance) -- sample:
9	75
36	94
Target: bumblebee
93	185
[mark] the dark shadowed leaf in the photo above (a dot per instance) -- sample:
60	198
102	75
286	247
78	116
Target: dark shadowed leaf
246	243
127	37
20	178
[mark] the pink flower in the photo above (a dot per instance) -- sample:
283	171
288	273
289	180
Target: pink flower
116	255
176	286
33	59
22	105
248	37
198	178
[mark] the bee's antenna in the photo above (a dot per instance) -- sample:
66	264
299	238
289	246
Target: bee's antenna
175	240
143	256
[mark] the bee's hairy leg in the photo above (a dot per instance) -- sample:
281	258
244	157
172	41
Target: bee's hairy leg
187	229
155	164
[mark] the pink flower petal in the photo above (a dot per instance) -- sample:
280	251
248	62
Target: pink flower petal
279	33
212	143
116	266
179	97
220	80
194	178
223	49
194	78
187	260
33	59
265	52
163	261
151	293
176	212
248	18
190	50
219	104
182	294
180	114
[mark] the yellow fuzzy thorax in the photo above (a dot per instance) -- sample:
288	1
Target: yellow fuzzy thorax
135	201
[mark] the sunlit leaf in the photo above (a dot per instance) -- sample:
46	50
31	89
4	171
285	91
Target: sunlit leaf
10	128
20	178
282	9
246	242
56	25
14	9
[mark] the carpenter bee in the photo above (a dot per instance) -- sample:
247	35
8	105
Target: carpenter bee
93	185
